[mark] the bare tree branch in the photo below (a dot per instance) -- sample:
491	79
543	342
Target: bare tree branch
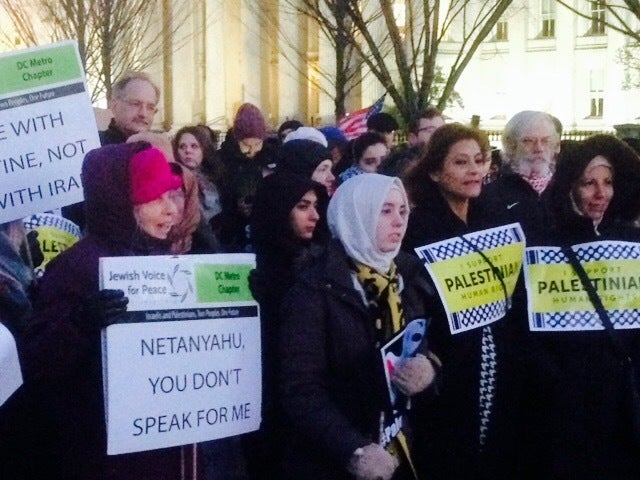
410	82
113	35
616	11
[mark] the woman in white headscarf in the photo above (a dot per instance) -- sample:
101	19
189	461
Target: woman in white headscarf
345	420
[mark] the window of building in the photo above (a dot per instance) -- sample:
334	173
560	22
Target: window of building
596	93
502	31
400	15
548	18
597	18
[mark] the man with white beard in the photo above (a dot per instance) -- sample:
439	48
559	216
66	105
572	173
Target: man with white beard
531	143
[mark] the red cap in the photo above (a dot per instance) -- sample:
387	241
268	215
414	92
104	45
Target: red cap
151	176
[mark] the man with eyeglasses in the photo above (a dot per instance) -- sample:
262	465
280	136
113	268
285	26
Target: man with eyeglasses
531	143
422	126
133	103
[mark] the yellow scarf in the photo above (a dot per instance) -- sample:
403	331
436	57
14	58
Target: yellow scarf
383	296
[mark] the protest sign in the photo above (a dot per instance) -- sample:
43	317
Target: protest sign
47	125
189	368
469	286
403	345
10	372
55	235
557	300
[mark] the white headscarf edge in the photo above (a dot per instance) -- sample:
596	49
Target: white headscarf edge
353	215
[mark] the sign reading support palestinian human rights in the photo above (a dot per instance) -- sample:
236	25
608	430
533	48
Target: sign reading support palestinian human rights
47	125
187	368
469	285
557	300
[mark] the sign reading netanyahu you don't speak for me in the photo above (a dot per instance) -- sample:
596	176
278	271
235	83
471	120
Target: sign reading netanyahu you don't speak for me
475	287
186	368
47	125
557	299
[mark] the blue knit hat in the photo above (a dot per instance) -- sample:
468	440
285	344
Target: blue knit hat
335	137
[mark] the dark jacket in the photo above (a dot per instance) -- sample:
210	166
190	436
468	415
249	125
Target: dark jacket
511	199
61	352
583	410
447	427
240	178
331	373
112	135
280	258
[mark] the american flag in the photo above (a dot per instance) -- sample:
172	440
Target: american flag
355	124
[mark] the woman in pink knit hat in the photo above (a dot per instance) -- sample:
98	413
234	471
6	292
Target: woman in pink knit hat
131	196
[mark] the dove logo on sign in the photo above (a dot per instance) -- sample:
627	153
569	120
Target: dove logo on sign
180	281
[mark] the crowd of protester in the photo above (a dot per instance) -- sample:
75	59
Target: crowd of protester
333	225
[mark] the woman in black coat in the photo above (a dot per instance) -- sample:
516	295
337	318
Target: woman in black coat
458	435
594	196
336	318
286	240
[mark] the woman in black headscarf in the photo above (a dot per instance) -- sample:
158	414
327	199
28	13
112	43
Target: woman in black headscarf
286	239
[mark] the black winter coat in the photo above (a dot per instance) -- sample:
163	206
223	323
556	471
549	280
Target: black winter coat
332	382
578	384
511	199
447	427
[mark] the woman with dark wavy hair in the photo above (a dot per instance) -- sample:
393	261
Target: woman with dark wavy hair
467	431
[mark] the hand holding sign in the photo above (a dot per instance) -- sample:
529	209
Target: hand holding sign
372	462
103	308
413	375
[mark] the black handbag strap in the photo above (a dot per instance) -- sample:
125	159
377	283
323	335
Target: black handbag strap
596	301
495	270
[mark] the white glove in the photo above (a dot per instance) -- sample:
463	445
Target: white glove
372	462
413	375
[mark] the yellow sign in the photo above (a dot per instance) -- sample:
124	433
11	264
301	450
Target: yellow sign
469	281
475	275
55	235
557	299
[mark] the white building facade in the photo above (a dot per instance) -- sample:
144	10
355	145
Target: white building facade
540	56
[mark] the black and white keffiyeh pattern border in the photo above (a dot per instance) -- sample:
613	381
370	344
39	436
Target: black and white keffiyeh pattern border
488	363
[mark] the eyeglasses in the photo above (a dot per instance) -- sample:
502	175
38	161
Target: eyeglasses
543	141
138	104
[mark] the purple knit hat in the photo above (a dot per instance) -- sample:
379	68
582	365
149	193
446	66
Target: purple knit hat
249	123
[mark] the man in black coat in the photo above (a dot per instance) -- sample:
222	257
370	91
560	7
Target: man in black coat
134	103
531	143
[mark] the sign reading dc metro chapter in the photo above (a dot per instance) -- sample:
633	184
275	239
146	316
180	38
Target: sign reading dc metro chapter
186	367
47	125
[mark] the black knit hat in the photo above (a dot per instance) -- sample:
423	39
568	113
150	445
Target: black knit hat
301	157
288	125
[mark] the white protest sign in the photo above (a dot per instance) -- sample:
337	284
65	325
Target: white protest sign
47	125
10	373
189	368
